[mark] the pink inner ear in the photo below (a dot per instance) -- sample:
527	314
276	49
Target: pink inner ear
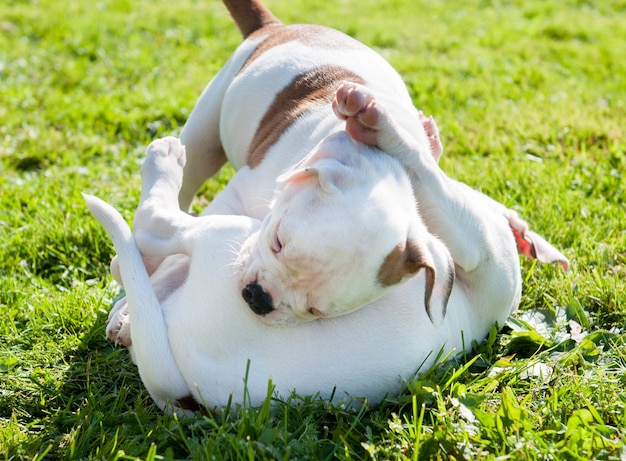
305	169
533	246
524	247
299	175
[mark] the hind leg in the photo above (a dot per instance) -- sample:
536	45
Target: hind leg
166	279
201	137
159	224
155	227
118	324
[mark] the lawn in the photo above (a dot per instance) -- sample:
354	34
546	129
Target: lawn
530	97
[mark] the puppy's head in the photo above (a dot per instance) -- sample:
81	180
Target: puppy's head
342	231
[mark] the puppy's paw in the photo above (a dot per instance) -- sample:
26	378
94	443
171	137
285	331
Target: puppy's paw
432	131
369	122
356	105
164	162
168	148
118	328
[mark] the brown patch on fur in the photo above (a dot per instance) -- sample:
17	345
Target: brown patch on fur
313	88
405	259
250	15
307	34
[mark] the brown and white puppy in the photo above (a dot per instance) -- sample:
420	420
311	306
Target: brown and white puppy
319	127
269	111
194	345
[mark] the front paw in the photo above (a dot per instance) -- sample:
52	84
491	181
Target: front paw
432	131
356	105
369	122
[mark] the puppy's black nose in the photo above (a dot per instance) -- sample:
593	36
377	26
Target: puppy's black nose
258	300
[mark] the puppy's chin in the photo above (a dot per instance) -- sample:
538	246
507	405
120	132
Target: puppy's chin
284	317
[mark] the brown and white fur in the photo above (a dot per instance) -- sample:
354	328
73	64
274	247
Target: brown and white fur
318	127
268	109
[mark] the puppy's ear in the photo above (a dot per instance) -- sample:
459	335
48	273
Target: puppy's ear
313	174
298	175
439	281
429	254
328	173
533	245
304	168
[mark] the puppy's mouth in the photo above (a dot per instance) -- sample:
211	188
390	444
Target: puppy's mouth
315	312
262	304
259	301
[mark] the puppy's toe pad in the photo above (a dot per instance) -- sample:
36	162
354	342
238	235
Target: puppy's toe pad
118	329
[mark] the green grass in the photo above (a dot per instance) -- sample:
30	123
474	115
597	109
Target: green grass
530	97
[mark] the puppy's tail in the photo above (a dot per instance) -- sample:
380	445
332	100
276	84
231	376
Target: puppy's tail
153	355
250	15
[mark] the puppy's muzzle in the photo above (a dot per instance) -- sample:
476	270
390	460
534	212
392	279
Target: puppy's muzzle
259	301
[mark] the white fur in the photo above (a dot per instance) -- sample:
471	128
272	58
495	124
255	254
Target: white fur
199	340
312	224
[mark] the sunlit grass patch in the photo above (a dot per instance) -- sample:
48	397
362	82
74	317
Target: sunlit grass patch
530	100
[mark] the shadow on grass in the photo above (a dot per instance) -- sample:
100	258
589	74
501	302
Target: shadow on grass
100	405
101	410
